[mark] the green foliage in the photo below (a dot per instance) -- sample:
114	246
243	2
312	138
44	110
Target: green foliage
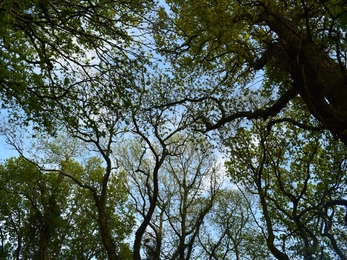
282	65
46	215
91	68
198	215
32	211
295	174
247	55
51	51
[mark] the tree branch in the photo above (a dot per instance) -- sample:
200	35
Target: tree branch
296	123
259	113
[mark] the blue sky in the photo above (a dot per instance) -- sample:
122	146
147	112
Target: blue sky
5	151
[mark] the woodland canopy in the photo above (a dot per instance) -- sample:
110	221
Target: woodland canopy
174	130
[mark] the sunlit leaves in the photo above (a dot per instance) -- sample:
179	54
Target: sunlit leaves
51	50
47	214
208	37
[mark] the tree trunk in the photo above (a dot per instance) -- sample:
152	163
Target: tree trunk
320	80
105	234
153	202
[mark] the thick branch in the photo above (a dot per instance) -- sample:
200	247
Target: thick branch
334	244
273	50
317	77
259	113
336	202
296	123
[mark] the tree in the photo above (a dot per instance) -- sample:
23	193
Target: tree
188	191
188	182
297	51
33	226
231	229
51	51
154	129
80	66
89	217
297	48
299	179
100	178
47	216
115	215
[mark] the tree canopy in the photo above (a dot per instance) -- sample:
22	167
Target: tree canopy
54	54
297	48
174	130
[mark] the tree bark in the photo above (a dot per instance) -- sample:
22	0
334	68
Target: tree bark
105	234
318	78
153	203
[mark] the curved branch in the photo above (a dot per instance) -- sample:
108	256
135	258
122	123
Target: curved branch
259	113
296	123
